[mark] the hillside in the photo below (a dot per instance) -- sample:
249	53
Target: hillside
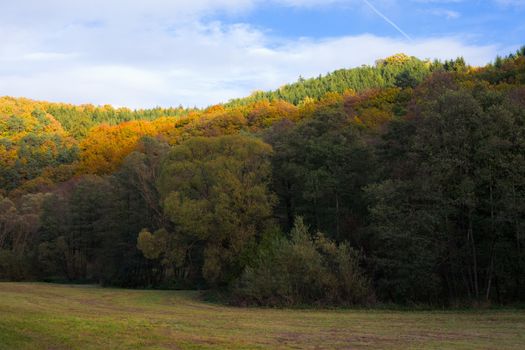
57	133
399	70
403	182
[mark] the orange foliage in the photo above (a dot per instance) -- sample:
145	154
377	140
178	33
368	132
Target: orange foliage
105	147
373	108
263	114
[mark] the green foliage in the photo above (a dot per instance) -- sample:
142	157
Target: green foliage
19	225
214	192
447	214
509	70
397	70
418	166
319	168
78	120
89	225
303	270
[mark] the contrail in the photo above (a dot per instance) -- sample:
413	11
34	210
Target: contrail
387	19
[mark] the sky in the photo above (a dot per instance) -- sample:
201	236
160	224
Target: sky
143	54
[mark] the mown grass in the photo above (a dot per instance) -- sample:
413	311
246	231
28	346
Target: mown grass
45	316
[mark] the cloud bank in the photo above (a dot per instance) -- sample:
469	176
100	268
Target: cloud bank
145	54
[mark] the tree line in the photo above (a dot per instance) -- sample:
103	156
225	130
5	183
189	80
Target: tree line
411	192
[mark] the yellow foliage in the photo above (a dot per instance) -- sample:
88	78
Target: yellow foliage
396	59
105	147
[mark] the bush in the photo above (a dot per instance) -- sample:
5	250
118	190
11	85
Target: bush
303	270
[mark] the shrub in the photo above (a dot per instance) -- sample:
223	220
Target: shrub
303	270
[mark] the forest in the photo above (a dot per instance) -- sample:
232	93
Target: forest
402	182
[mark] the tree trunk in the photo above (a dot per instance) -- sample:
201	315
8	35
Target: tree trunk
473	255
337	227
518	244
289	206
493	245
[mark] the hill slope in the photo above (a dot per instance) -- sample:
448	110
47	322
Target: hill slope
399	70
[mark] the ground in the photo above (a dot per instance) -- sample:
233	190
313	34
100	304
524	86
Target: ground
46	316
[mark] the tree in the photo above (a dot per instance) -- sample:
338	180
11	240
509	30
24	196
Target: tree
19	226
319	168
214	192
442	218
304	269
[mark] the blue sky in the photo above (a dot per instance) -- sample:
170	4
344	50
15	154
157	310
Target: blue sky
199	52
482	22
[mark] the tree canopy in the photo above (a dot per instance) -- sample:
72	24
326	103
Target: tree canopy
400	182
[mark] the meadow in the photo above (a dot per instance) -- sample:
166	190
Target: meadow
47	316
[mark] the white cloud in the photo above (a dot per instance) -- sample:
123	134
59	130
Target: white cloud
143	54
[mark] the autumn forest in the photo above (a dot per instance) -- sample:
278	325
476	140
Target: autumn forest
402	182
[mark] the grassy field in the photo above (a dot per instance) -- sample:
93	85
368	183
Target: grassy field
43	316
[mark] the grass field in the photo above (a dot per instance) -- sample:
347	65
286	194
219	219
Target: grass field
43	316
